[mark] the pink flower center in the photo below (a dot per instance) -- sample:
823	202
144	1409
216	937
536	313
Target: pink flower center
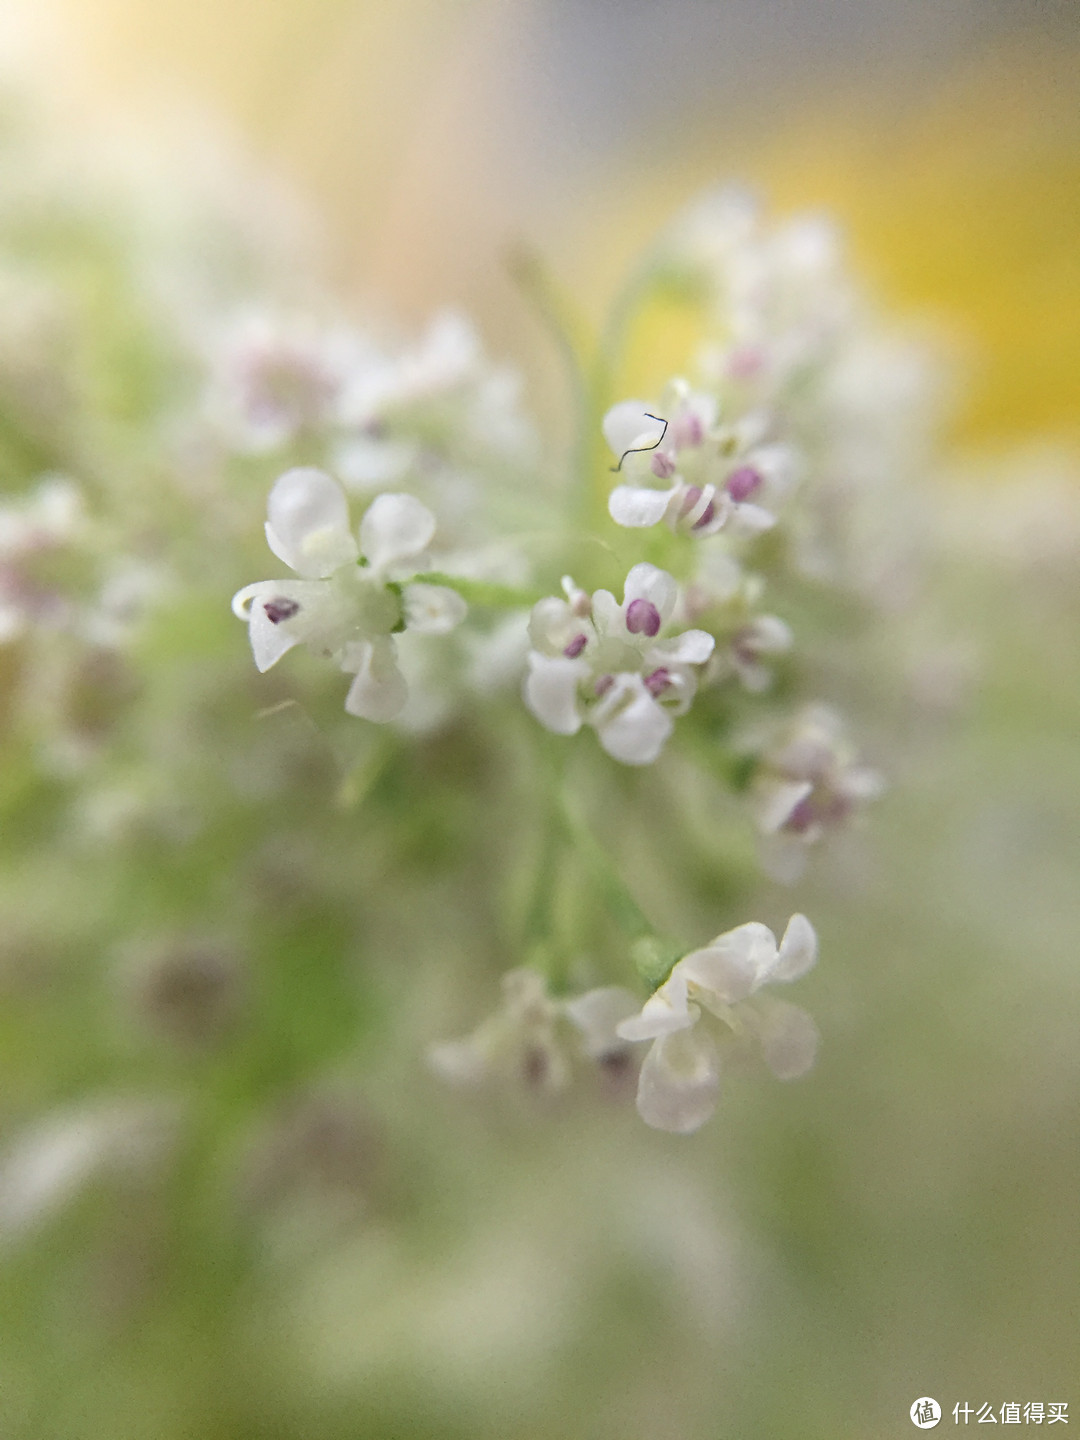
574	649
658	681
663	465
692	498
604	684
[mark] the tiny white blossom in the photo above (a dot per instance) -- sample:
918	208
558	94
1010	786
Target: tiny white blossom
809	782
351	598
527	1041
721	476
607	665
680	1078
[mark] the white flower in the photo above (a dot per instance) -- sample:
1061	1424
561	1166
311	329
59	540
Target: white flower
526	1039
350	600
809	782
722	477
603	664
680	1079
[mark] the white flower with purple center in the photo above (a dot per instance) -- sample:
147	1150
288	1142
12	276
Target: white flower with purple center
680	1079
352	598
596	662
721	477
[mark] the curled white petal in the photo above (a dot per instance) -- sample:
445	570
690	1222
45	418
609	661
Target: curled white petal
638	508
636	732
379	691
308	522
433	609
551	688
665	1011
628	426
789	1040
395	528
798	951
679	1082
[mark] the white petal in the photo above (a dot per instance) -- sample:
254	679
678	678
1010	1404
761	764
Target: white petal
646	582
789	1040
379	691
637	732
607	614
551	688
458	1062
734	961
692	647
769	635
774	800
627	426
637	508
270	640
597	1013
798	950
665	1011
433	609
308	522
747	519
395	528
552	625
679	1082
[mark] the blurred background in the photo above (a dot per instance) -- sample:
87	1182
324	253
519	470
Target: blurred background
904	1223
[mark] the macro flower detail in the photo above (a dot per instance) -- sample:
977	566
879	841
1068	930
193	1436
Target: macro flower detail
680	1078
596	662
351	598
721	476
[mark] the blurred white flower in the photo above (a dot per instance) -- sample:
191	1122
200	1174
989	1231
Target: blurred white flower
809	782
527	1041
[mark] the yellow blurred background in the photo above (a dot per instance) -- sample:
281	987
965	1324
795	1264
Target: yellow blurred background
430	134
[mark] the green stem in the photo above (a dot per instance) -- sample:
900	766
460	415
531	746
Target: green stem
482	592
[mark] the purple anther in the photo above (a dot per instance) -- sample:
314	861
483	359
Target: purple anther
742	483
603	685
281	608
658	681
688	430
642	618
803	817
574	649
663	465
690	500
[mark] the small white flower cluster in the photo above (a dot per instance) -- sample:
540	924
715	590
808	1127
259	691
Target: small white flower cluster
437	416
729	475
